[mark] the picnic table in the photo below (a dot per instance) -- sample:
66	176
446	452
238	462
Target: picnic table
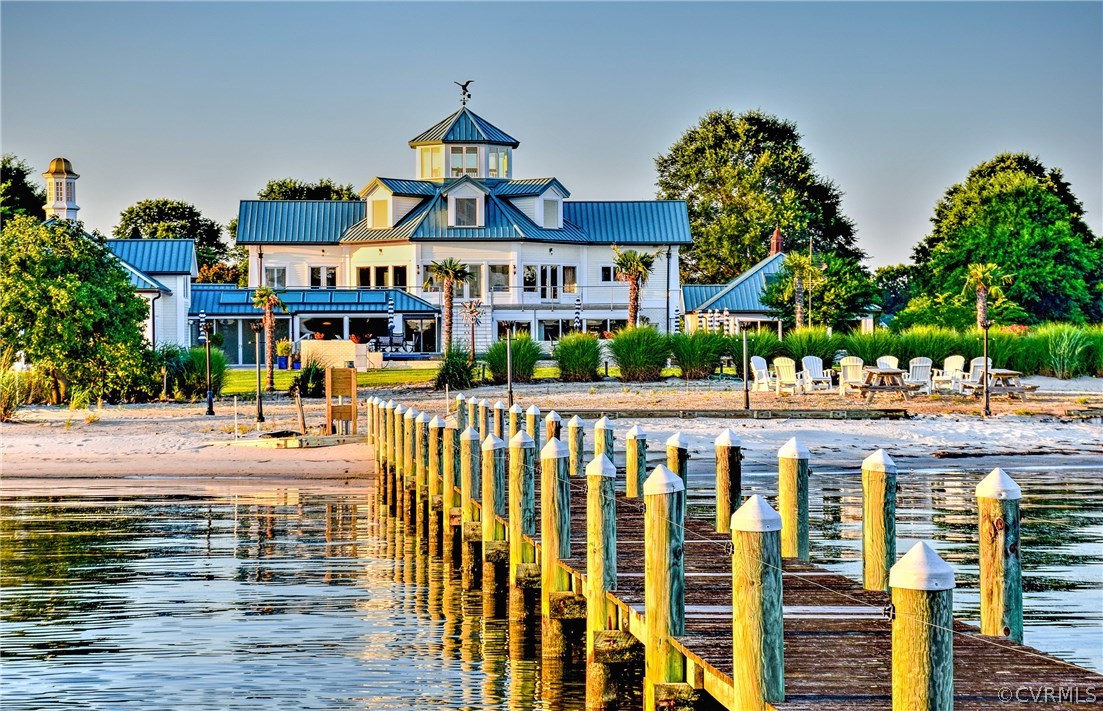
1002	381
885	380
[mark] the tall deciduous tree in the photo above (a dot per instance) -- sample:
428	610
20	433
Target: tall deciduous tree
173	219
841	290
293	189
19	194
1015	212
896	283
67	303
266	299
634	268
448	272
742	175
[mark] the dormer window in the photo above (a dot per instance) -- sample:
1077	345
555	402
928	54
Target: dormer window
464	160
497	162
467	212
551	214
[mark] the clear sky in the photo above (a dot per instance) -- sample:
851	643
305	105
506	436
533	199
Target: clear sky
205	102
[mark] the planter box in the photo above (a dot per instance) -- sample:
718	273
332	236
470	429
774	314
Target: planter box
281	362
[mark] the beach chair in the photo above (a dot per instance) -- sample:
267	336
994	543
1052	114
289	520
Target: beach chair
814	376
973	381
888	362
950	375
851	374
763	381
919	373
785	375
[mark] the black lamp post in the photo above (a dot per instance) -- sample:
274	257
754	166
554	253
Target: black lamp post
206	327
987	401
258	328
746	370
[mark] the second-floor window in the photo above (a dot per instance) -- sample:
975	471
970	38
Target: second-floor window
551	214
432	162
497	162
323	277
464	160
499	277
608	274
467	212
275	277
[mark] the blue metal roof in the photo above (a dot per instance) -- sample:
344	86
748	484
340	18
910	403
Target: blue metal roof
296	221
744	293
229	300
409	188
532	186
156	256
693	295
651	222
464	126
140	281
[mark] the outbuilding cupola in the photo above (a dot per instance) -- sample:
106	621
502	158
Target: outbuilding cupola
464	144
61	190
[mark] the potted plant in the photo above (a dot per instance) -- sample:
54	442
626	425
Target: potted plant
296	362
283	353
319	336
355	338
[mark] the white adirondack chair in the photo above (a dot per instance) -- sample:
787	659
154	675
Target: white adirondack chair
950	375
888	362
785	371
763	381
851	374
919	373
814	376
974	379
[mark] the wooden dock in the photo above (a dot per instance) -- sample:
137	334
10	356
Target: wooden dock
837	635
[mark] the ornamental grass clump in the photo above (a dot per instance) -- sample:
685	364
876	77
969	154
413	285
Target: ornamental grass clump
698	353
870	346
578	356
193	378
526	353
640	352
934	342
456	371
310	380
810	341
1067	350
761	342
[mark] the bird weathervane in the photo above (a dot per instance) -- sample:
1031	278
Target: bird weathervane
465	95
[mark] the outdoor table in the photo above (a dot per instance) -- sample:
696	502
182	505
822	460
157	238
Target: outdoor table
885	380
1002	381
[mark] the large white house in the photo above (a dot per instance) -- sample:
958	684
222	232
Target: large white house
542	262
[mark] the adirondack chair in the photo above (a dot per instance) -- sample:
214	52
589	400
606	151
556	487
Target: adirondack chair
973	381
785	370
814	376
851	375
919	373
763	381
950	375
888	362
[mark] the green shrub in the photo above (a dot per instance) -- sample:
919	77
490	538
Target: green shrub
310	380
934	342
193	381
13	393
1094	355
640	353
578	356
526	353
456	371
762	342
811	342
697	354
869	346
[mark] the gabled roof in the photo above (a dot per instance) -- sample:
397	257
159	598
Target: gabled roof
405	188
296	221
648	222
230	300
140	281
464	126
157	256
744	293
479	185
693	295
525	188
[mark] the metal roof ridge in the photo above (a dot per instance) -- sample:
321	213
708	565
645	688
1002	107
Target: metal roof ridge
739	280
142	275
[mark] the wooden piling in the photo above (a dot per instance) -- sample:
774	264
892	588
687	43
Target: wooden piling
522	517
635	456
461	413
603	438
922	632
555	542
677	456
494	547
386	430
792	499
484	419
499	419
553	426
576	435
472	414
532	425
469	484
397	454
1001	575
421	474
664	580
409	438
878	519
516	415
729	478
436	498
601	575
758	671
450	500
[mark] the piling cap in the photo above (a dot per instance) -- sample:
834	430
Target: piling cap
521	439
677	440
554	449
374	399
728	438
756	516
879	461
662	481
603	423
997	485
450	423
470	433
460	397
411	414
553	416
423	418
921	569
399	409
516	408
499	405
635	432
436	423
389	405
601	466
493	442
484	403
533	410
793	449
472	401
574	422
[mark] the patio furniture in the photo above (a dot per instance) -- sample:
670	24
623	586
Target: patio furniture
879	379
973	381
851	376
1002	381
393	344
949	376
888	362
814	376
919	373
785	372
763	381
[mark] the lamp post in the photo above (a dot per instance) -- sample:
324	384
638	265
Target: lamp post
206	327
746	373
987	402
509	365
258	328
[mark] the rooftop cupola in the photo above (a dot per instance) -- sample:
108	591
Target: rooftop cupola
462	144
61	190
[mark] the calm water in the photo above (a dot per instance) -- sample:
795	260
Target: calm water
294	600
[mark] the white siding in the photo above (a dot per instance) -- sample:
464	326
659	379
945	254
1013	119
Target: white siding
402	207
526	205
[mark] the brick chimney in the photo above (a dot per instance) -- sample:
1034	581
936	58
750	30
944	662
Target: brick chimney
775	242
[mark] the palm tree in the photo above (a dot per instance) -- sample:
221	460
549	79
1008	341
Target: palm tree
266	298
986	280
449	272
633	267
800	267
